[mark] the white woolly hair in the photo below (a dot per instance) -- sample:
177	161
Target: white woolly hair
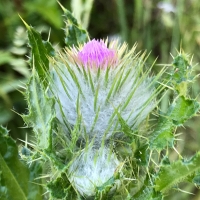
99	96
96	99
91	169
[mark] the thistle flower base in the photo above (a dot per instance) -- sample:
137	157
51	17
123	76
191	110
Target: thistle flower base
91	169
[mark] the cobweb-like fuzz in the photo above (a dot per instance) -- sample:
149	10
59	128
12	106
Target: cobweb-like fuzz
91	169
97	85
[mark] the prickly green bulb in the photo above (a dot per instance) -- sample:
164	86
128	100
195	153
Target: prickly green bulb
97	93
96	85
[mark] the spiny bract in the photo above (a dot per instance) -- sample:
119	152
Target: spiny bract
96	85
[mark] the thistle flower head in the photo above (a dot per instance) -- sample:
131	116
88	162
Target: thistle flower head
97	86
118	86
91	169
96	53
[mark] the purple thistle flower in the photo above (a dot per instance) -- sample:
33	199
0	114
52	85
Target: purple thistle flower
95	53
93	105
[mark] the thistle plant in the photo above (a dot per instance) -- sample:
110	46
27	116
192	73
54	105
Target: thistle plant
90	106
96	86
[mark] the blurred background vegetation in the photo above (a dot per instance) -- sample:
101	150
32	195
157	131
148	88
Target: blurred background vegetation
159	26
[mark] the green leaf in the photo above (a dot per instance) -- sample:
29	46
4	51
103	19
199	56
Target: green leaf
15	182
170	175
179	112
35	188
61	188
3	189
41	112
181	75
103	191
196	180
40	52
124	126
163	135
75	35
142	155
14	172
183	109
147	192
10	84
182	69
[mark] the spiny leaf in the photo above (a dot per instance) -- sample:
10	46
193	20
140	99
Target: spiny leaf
40	51
61	188
179	112
41	111
196	180
181	75
170	175
147	192
103	191
163	135
75	35
182	69
183	109
15	175
3	131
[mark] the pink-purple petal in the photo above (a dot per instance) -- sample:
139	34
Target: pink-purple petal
96	53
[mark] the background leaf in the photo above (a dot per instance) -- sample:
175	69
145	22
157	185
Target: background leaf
74	34
179	112
47	9
170	175
14	174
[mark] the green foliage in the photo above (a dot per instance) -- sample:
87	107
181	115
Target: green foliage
50	141
61	188
182	69
179	112
11	65
74	34
103	192
149	194
15	176
40	115
171	174
48	10
40	52
14	172
82	11
14	69
183	109
148	191
142	155
181	76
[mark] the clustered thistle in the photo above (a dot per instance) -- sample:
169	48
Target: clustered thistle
96	86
